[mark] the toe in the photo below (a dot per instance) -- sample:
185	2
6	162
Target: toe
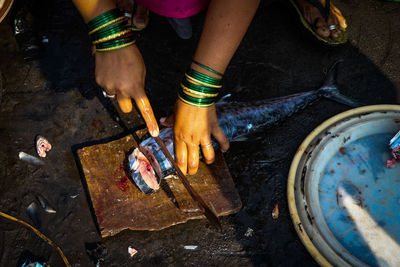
140	18
321	28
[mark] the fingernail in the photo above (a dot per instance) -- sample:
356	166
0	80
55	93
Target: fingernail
163	119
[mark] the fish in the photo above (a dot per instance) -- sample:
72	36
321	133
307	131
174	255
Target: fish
44	204
142	173
239	121
30	159
42	146
34	214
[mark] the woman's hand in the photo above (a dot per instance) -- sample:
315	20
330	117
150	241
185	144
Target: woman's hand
194	126
122	72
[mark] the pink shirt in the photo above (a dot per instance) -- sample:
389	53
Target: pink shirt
175	8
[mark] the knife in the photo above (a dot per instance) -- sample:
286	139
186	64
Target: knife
211	217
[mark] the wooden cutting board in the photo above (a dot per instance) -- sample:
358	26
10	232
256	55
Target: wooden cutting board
119	204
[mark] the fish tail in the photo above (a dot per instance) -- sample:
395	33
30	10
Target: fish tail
331	91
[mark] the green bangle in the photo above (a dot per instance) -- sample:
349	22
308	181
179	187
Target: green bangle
104	18
106	24
207	68
115	43
109	31
204	78
198	88
198	102
116	47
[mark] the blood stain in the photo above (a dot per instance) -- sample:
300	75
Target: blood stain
123	184
342	150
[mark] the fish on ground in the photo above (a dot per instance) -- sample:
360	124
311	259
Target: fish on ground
33	212
238	120
45	204
42	146
30	159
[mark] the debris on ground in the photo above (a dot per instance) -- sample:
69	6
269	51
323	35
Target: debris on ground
132	251
249	232
45	205
30	159
190	247
42	146
96	251
28	263
34	214
275	212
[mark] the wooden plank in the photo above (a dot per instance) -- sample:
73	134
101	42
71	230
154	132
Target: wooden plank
119	204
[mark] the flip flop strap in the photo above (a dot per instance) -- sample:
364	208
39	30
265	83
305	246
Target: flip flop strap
325	10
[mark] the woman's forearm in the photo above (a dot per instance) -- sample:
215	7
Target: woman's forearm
90	9
225	25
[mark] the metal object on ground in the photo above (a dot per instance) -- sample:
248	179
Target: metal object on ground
5	6
118	204
343	200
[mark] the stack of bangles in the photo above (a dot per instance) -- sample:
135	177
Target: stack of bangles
198	89
109	31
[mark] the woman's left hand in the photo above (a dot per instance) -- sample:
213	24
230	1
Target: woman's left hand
194	126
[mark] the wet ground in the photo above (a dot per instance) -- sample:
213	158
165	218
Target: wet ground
56	96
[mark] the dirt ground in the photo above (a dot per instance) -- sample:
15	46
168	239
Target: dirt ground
56	96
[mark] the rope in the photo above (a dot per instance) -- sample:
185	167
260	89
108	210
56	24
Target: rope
42	236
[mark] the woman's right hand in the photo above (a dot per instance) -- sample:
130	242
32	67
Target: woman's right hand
122	73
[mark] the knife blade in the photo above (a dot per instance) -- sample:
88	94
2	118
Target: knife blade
211	217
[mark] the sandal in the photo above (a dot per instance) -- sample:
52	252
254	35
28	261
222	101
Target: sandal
341	39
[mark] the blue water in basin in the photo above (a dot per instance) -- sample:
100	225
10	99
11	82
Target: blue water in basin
360	169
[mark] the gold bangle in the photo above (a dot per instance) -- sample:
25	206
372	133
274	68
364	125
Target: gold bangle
105	25
117	47
196	93
202	83
195	105
111	37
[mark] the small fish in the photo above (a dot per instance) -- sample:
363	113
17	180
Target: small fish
275	212
34	214
42	146
44	204
240	121
30	159
132	251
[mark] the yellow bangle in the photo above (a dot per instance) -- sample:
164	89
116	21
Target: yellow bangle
202	83
111	36
117	47
105	25
196	93
195	105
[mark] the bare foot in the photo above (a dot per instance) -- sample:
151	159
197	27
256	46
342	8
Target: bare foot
335	19
141	16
